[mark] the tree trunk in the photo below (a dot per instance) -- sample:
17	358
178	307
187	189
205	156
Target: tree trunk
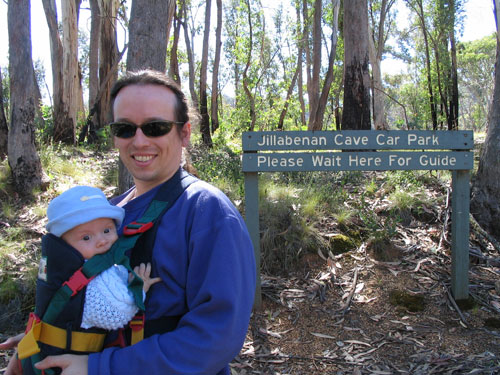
23	158
356	111
95	32
248	93
108	54
432	100
205	119
313	85
485	203
287	99
454	84
173	70
148	31
4	129
376	48
70	71
214	108
300	78
325	91
62	121
189	50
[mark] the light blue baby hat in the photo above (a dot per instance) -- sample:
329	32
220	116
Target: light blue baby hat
79	205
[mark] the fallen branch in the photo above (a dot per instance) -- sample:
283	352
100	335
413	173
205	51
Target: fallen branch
457	309
346	306
482	233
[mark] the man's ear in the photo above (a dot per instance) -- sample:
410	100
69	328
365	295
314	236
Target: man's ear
186	134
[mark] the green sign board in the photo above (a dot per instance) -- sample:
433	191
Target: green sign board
358	140
347	161
365	150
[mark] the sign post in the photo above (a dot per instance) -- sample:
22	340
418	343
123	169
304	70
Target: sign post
365	150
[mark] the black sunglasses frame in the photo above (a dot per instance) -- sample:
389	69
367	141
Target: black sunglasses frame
152	129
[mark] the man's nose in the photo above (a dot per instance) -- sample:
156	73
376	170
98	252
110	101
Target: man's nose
139	138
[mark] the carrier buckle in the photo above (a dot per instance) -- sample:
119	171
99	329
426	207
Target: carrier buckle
77	282
135	228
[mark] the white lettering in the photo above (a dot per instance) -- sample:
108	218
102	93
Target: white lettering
437	160
364	161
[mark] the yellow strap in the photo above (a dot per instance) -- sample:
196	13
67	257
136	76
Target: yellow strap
137	335
28	346
54	336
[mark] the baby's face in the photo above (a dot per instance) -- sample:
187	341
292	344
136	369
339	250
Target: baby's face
92	238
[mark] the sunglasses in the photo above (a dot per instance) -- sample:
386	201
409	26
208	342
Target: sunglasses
150	129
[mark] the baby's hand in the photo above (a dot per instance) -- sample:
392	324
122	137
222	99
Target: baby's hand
144	272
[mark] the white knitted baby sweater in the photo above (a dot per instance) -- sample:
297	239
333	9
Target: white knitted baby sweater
109	304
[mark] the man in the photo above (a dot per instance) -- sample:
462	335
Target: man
202	252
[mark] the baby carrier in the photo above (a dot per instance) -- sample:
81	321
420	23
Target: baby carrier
54	327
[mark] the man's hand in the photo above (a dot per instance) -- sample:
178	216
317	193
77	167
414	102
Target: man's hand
12	368
144	272
69	363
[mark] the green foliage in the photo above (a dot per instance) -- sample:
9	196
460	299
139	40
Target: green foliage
288	232
8	290
476	62
220	166
44	130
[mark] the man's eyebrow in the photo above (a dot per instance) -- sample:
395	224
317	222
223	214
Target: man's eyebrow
149	119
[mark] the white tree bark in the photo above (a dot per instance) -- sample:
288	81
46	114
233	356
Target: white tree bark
71	77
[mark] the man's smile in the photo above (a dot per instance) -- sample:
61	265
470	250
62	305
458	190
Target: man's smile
143	158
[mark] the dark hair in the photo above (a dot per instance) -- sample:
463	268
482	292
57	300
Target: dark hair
153	77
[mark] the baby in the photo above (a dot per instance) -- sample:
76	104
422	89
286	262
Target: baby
83	218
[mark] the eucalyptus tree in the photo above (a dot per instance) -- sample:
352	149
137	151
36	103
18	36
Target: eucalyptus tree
418	7
4	128
438	21
485	203
288	42
381	21
173	69
214	102
108	58
22	155
356	105
64	69
203	105
189	35
318	87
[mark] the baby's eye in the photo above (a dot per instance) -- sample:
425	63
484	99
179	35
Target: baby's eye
107	230
86	238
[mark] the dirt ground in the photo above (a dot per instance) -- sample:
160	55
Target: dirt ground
337	316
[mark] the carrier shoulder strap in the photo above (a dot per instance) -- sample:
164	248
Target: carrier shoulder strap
163	200
166	196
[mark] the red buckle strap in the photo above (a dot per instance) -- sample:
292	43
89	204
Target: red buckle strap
135	228
32	319
137	323
77	282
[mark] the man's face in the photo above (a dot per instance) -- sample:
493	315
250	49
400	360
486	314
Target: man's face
92	238
150	160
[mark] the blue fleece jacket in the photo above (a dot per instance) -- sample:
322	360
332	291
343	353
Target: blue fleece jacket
205	258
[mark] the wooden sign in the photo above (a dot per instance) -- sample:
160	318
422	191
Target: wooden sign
365	150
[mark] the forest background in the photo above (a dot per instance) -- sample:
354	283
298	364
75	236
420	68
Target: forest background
301	65
310	64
